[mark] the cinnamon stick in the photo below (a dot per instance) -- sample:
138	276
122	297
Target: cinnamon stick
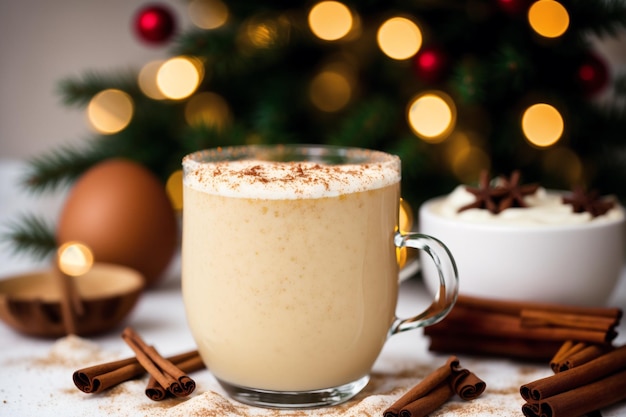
576	355
513	307
493	346
157	392
163	370
97	378
487	323
524	330
435	389
426	405
538	318
467	385
71	302
566	350
577	377
582	400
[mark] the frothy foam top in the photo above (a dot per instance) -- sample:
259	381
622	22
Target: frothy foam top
544	208
287	180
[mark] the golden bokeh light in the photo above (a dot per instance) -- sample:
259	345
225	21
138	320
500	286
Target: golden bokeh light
261	35
432	116
562	163
399	38
110	111
456	144
147	80
209	109
179	77
74	258
265	31
330	90
548	18
542	125
467	164
208	14
174	189
330	20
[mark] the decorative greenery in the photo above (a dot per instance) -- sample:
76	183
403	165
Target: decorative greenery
494	66
31	235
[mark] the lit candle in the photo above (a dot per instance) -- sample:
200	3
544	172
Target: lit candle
73	260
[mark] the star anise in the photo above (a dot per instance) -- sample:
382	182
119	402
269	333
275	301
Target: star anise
514	191
591	202
486	195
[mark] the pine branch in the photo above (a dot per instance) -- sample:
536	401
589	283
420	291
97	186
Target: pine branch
224	56
78	92
31	234
369	123
201	136
60	166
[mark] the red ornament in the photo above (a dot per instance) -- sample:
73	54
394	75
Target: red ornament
430	64
154	23
592	75
513	7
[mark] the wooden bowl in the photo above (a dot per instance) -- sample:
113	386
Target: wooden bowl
31	303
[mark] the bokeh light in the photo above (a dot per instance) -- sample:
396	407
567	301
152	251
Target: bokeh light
209	109
563	164
467	165
174	189
263	31
179	77
465	157
542	125
331	89
147	80
74	258
548	18
432	116
208	14
110	111
330	20
399	38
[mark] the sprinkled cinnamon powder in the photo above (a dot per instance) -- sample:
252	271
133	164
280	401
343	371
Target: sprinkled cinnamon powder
288	180
128	399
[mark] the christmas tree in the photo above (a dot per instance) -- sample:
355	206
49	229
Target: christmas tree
452	87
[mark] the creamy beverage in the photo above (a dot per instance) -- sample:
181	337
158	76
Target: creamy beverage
290	278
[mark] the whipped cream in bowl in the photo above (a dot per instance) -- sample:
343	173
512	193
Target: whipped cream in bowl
543	252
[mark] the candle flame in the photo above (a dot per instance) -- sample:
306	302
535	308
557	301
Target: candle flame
74	258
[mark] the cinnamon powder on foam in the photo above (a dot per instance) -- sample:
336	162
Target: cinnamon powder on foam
288	180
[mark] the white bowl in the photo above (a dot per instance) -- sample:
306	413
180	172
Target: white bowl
575	264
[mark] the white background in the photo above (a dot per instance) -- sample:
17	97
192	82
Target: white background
43	42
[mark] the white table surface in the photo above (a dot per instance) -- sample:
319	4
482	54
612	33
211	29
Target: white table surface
35	374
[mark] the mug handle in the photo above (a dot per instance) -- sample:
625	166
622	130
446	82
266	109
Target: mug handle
448	281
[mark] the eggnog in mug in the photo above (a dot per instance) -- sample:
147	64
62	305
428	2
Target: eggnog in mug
290	278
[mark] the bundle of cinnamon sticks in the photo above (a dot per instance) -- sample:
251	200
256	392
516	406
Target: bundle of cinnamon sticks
587	378
435	389
168	376
517	329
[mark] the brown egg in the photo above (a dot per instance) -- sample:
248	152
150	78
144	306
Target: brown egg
121	211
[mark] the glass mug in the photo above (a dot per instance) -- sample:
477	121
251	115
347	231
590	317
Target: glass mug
289	270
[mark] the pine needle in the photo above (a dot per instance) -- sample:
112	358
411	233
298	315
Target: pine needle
30	234
59	167
78	92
